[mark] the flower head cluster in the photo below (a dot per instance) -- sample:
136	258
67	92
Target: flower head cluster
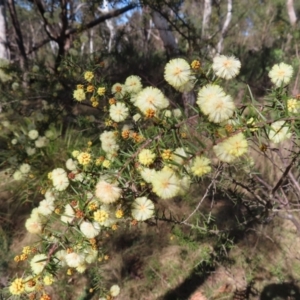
79	94
146	157
60	179
151	98
281	74
226	67
107	192
17	287
142	209
279	131
201	166
133	84
118	112
178	74
166	184
215	104
232	148
109	142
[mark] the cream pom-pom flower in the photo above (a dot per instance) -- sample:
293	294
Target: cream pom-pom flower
41	142
177	72
118	90
151	98
232	148
142	209
107	192
79	95
201	166
38	263
147	174
279	132
60	179
71	164
146	157
226	67
74	259
60	257
118	112
293	105
46	207
89	230
166	184
34	225
114	290
281	74
33	134
215	104
68	215
17	287
25	168
133	84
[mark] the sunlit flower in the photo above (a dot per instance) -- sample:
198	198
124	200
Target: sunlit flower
60	179
105	216
33	134
46	207
48	279
38	263
25	168
142	209
90	255
114	290
166	184
88	76
226	67
68	215
107	192
84	158
81	268
293	106
151	98
60	255
133	84
18	175
17	287
74	259
79	95
177	72
30	151
233	147
118	112
28	282
34	225
109	142
41	142
118	90
101	91
146	157
147	174
279	131
89	230
281	74
201	166
214	103
71	164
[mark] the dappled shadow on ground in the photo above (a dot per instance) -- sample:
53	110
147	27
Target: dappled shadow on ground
280	291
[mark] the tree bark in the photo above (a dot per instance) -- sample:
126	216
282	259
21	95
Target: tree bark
4	54
18	34
225	26
166	35
291	12
206	16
